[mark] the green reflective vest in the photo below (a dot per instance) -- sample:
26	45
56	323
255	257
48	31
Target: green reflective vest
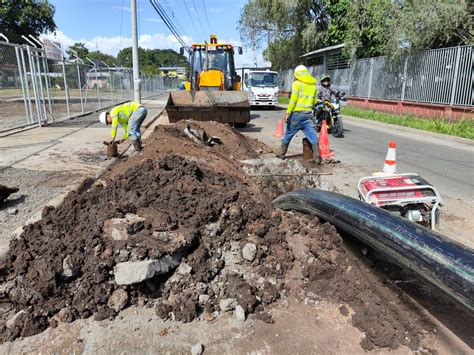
304	93
120	115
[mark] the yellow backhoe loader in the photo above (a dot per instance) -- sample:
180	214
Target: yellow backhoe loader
212	92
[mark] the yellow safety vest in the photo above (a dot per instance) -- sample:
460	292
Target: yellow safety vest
304	92
120	115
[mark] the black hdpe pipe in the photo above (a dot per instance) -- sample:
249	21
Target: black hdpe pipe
442	262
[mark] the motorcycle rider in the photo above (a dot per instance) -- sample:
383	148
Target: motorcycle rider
299	113
325	93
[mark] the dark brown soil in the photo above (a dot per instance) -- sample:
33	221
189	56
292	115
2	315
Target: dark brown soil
200	194
6	191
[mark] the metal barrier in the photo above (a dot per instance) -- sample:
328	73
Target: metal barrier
438	76
35	90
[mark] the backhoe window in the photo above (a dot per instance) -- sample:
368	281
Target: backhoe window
216	59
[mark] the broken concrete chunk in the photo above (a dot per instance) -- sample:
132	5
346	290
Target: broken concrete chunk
69	270
118	300
17	320
197	349
203	299
184	269
131	272
227	304
249	251
239	313
121	228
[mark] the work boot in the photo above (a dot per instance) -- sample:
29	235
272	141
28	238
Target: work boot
281	153
316	155
137	144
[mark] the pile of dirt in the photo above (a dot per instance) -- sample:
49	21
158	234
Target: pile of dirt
194	204
6	191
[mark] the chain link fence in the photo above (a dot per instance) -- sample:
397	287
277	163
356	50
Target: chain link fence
35	90
439	76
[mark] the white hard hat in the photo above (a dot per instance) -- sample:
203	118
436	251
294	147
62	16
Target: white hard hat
103	117
300	68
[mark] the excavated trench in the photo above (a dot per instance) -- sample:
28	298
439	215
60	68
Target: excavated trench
211	242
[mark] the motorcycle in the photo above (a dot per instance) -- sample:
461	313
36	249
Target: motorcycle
331	112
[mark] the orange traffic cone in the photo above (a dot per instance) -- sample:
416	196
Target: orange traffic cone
279	130
390	166
324	150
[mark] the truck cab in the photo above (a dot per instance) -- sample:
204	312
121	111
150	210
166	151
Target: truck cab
261	86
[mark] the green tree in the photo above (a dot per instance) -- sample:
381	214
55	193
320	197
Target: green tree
371	27
152	59
31	17
79	48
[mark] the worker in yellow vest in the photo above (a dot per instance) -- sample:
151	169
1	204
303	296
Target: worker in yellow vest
130	116
304	95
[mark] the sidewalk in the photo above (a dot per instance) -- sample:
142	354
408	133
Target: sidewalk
46	163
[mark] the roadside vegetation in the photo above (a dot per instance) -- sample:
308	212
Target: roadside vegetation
284	100
463	128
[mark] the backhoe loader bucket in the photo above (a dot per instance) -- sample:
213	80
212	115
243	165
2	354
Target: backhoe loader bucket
220	106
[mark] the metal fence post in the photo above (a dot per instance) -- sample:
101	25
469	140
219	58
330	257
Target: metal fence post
48	84
66	88
404	83
41	91
371	74
23	91
27	86
79	84
97	84
455	79
35	88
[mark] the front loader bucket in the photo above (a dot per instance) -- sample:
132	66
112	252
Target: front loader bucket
220	106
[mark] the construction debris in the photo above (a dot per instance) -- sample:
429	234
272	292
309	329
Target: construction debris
5	192
183	229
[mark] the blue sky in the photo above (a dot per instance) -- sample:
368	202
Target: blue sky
105	24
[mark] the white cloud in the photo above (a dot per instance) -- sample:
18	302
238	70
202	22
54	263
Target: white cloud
112	45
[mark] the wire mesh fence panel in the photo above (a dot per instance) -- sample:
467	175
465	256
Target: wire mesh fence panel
13	104
439	76
360	78
60	90
339	79
387	78
430	76
463	93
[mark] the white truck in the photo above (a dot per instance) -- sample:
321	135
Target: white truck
261	85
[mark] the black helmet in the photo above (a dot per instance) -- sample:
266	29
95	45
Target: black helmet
325	77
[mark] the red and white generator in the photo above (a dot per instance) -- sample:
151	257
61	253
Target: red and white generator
409	195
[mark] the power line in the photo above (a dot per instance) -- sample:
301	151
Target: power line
199	19
192	22
207	18
179	27
167	21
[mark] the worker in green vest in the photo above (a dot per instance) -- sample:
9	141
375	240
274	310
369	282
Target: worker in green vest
130	116
304	95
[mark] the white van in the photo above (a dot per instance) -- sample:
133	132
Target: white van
261	86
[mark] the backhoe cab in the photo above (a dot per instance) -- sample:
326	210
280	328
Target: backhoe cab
212	92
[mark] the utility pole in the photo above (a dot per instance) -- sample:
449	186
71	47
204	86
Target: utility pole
136	69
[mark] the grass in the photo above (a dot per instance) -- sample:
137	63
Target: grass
463	128
283	100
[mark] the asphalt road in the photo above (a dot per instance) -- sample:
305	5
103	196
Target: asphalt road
446	162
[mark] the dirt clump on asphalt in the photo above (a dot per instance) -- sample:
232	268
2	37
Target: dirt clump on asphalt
205	240
6	191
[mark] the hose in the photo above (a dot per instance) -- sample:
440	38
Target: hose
444	263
